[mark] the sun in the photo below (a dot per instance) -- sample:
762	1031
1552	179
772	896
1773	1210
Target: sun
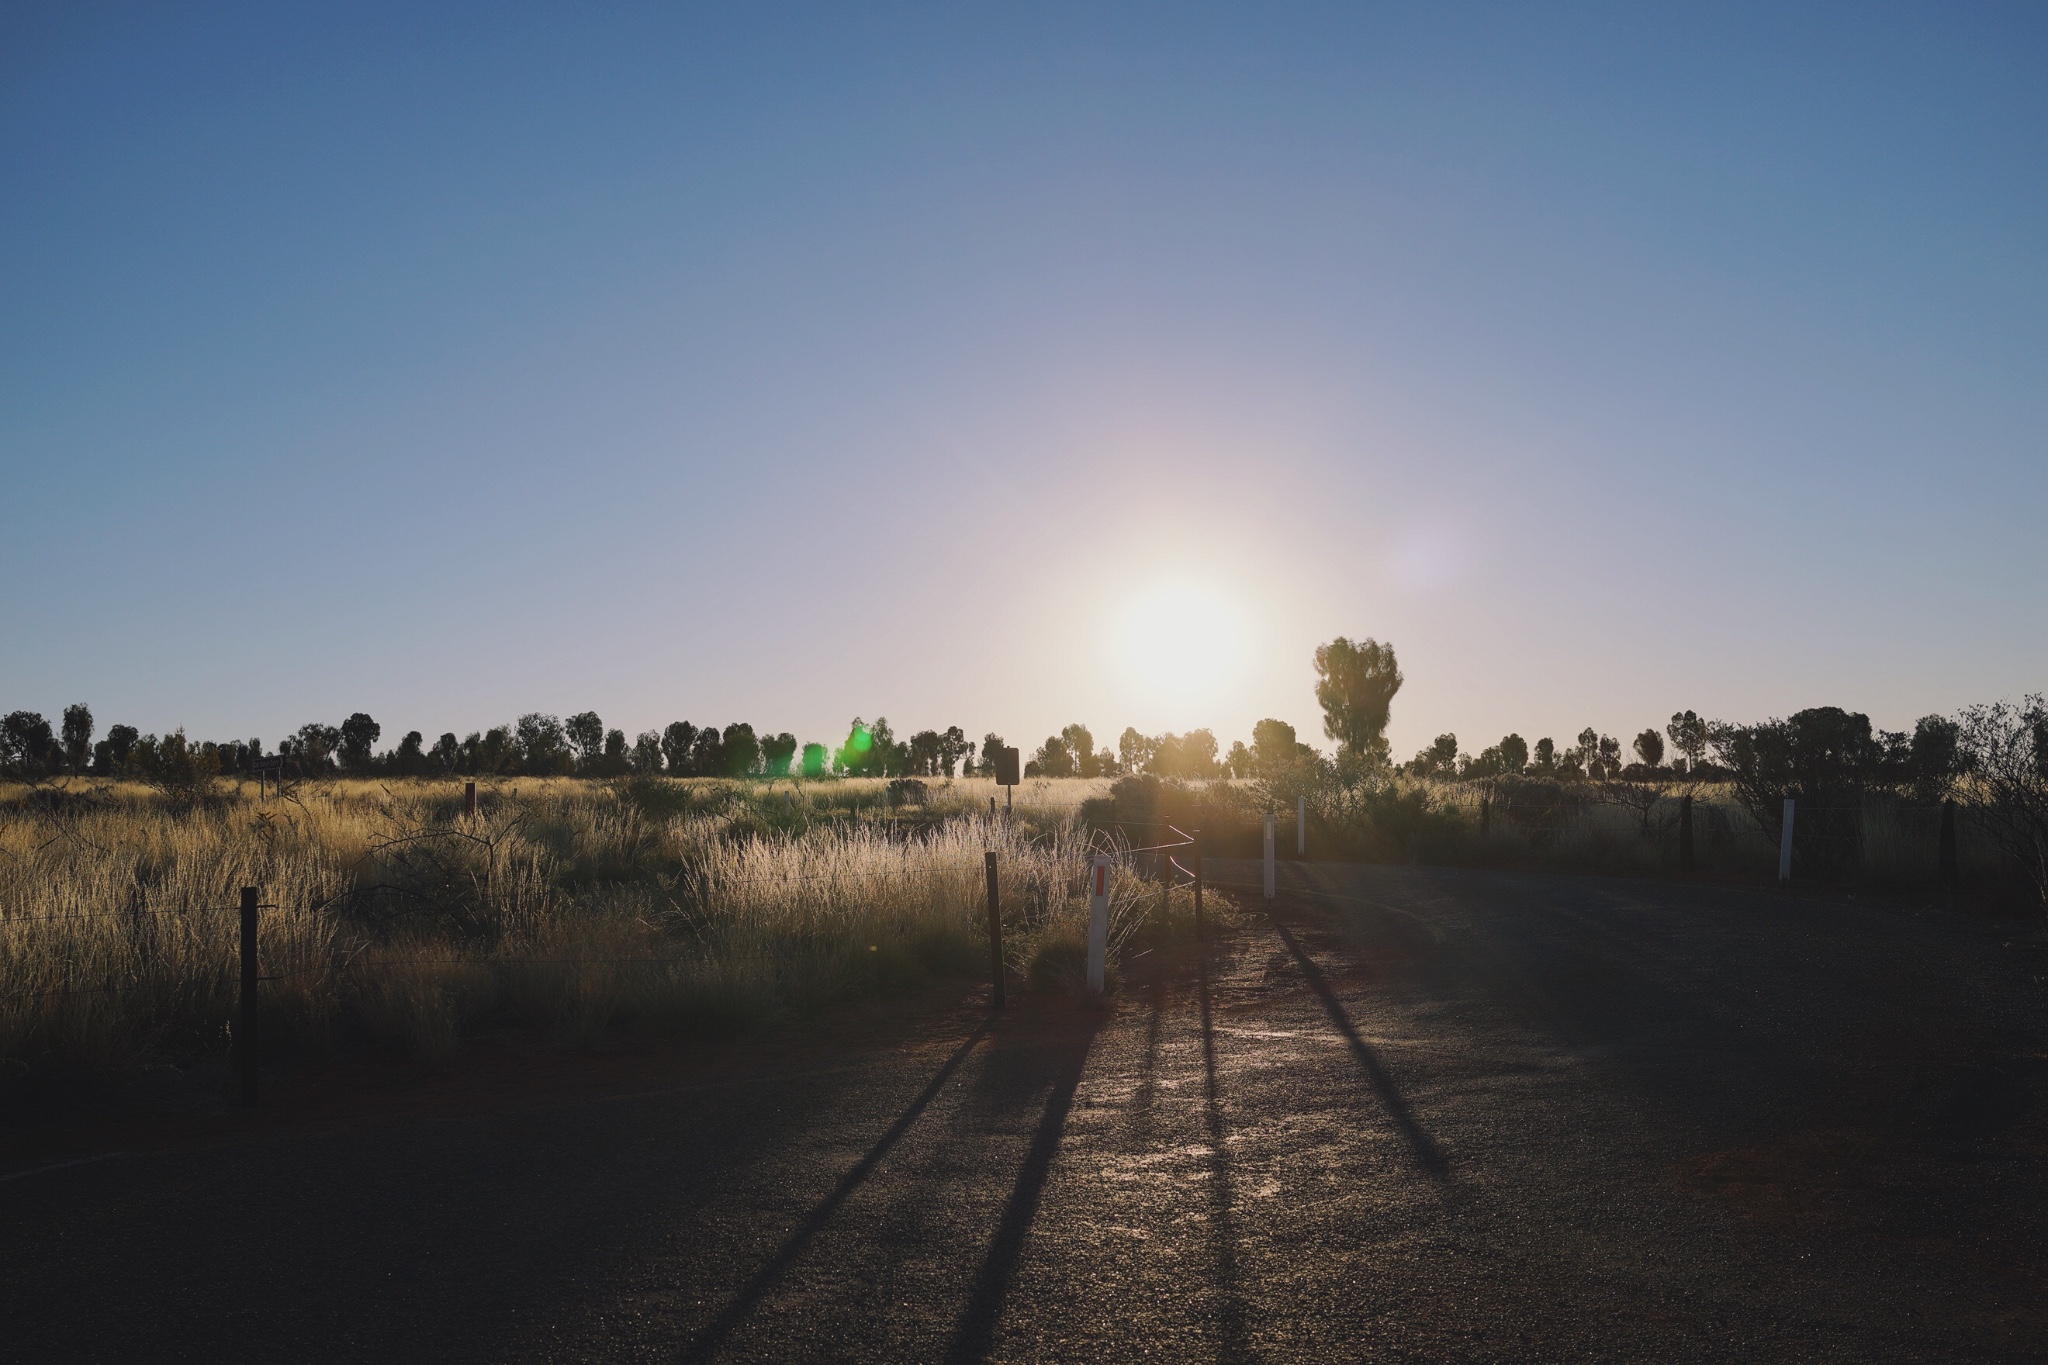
1179	643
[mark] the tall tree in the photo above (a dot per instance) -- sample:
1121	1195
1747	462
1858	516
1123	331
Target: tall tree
1650	747
647	752
815	758
77	736
28	749
953	746
358	741
1081	744
707	753
776	753
1688	734
676	742
742	749
1355	685
586	732
1514	753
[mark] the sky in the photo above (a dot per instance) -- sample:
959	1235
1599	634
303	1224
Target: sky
1008	366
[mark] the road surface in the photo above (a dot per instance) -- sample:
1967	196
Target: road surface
1416	1114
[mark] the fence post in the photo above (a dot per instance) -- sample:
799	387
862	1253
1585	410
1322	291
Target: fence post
1947	855
995	930
1098	922
1269	855
469	799
1198	884
245	1027
1300	827
1685	833
1785	845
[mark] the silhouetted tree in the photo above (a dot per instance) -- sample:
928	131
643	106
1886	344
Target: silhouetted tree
358	740
1650	747
1355	685
1239	762
1053	759
585	731
776	753
1546	755
2005	749
924	754
314	747
77	736
1514	753
447	753
410	759
615	754
543	743
953	746
28	750
742	749
1134	749
707	753
991	745
1081	744
1933	756
1688	735
676	743
815	757
647	759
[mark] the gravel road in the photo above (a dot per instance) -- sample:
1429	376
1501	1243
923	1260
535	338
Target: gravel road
1415	1114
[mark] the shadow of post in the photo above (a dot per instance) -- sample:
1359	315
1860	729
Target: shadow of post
1427	1154
974	1333
713	1335
1222	1221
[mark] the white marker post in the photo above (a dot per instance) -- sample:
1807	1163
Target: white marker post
1269	855
1785	845
1301	827
1098	922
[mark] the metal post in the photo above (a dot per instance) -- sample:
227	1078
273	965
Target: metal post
1198	883
1301	827
1269	855
1946	857
1685	833
1785	845
245	1027
469	799
1098	923
991	810
995	930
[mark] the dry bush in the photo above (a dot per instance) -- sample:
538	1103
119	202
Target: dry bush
396	922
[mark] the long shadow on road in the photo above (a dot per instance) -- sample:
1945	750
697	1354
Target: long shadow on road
714	1333
974	1333
1427	1154
1235	1345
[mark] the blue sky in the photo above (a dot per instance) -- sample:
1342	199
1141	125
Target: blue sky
788	364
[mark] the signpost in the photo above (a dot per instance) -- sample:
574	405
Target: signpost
1098	921
1008	775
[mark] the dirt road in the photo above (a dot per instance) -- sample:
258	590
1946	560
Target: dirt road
1416	1115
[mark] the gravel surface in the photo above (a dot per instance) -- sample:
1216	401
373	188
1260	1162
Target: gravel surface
1415	1114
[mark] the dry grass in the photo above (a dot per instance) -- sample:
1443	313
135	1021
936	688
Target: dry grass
397	922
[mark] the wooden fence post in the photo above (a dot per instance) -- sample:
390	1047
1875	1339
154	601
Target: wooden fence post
1685	833
1785	844
245	1027
1098	923
995	930
469	799
1199	930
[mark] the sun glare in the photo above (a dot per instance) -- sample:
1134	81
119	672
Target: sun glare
1179	642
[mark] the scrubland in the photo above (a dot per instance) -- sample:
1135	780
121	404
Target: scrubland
392	920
